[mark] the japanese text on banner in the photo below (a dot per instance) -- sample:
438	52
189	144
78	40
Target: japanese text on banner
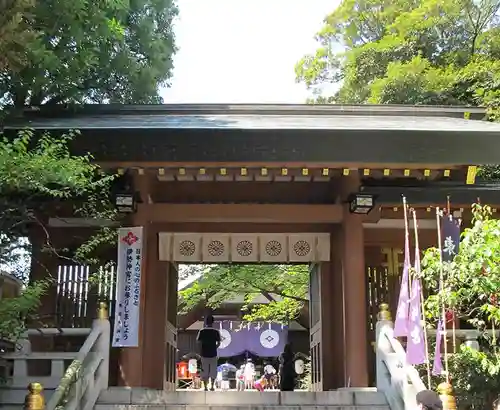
128	287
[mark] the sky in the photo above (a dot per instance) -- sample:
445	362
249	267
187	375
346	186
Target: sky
243	51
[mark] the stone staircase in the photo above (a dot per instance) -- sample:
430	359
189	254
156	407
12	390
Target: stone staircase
116	398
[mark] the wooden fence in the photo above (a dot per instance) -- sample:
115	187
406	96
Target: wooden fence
79	291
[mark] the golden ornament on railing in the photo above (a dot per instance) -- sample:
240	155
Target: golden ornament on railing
34	399
446	395
102	312
384	313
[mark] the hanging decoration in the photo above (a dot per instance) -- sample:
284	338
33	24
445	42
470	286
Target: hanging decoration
401	322
417	346
256	338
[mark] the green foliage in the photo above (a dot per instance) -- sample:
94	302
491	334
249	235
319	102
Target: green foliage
16	310
15	33
79	51
400	52
430	52
470	288
474	374
36	179
285	287
472	280
475	378
40	179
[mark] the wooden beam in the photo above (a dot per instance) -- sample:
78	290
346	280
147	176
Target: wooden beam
276	164
253	213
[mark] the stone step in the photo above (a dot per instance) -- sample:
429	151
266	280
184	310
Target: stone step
135	396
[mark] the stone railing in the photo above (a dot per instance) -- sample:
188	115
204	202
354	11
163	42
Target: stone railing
80	384
88	374
17	362
398	381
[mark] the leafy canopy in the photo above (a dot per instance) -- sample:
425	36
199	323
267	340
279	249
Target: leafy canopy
471	289
80	51
40	179
472	280
407	52
285	287
15	33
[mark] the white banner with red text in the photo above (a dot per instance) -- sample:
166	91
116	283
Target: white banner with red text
128	287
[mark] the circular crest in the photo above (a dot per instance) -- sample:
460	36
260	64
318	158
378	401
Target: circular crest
244	248
215	248
187	248
225	338
302	248
269	338
273	248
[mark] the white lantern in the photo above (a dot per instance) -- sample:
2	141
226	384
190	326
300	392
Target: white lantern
299	366
193	366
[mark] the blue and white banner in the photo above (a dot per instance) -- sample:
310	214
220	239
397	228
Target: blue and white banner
128	287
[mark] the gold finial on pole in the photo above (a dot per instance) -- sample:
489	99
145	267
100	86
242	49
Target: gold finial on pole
446	395
34	399
384	313
102	312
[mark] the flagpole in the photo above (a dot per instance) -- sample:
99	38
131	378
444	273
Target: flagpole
402	322
426	342
441	288
407	235
453	326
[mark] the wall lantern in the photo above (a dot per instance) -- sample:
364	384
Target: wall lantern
125	203
361	203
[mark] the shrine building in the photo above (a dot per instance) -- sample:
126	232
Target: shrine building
308	184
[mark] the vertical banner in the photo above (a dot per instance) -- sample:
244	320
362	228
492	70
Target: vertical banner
450	228
128	287
401	323
416	346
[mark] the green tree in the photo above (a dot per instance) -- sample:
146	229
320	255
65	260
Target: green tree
471	289
472	280
15	33
409	52
285	287
88	52
400	52
40	179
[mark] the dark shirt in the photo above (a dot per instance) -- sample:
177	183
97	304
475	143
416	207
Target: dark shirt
209	339
287	372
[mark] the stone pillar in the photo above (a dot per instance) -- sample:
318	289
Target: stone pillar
355	295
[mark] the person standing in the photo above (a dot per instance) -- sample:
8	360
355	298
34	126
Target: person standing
287	369
209	341
249	373
269	372
240	378
226	370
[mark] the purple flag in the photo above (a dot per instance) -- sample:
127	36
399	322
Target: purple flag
401	323
415	348
437	368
